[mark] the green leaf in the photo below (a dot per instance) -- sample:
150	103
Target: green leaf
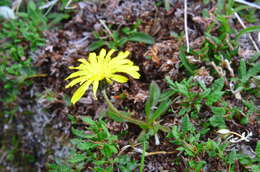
154	94
249	29
220	6
115	117
87	120
253	71
255	168
167	94
214	39
31	5
86	146
76	158
122	41
213	97
218	85
186	124
141	37
218	111
81	134
217	121
185	62
96	44
181	88
225	23
163	107
108	150
115	35
242	70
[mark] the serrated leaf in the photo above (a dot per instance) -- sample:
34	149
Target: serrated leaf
81	134
213	97
76	141
141	37
218	84
96	44
217	121
253	71
186	124
86	146
218	110
108	150
76	158
189	67
154	94
87	120
182	89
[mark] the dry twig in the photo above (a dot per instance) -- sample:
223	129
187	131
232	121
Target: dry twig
186	26
248	3
244	26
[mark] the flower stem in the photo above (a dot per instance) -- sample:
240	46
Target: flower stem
122	116
140	123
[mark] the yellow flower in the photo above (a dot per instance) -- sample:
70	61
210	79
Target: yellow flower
100	67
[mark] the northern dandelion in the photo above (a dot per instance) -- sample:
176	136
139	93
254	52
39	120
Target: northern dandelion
102	67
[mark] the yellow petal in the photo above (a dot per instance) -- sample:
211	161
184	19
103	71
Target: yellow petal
119	78
130	70
109	81
121	62
84	61
80	92
76	81
92	58
121	55
75	74
101	56
133	72
95	87
109	54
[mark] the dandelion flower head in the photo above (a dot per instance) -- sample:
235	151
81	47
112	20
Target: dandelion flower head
98	68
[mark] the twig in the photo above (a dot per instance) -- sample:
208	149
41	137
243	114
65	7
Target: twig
244	26
107	29
186	26
152	153
49	4
248	3
67	5
3	157
16	5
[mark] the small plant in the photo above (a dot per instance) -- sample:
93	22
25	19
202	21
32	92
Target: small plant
241	83
117	39
95	149
19	36
189	141
194	100
98	68
155	107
